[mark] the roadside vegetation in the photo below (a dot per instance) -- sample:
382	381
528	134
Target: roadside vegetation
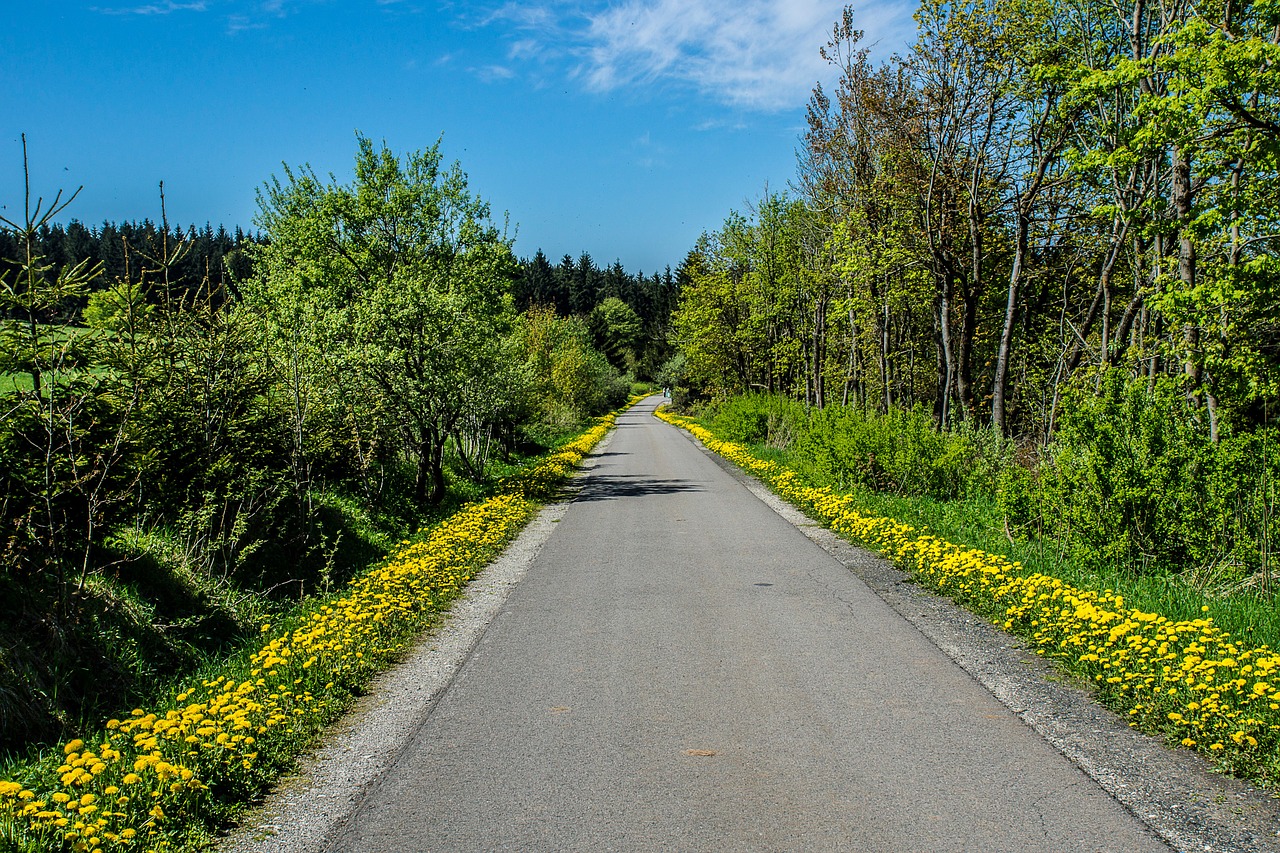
1127	489
200	433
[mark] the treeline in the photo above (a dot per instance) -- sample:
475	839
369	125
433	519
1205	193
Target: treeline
121	251
1053	223
1033	194
628	315
635	340
218	428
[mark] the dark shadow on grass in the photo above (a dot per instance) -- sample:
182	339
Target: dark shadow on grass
605	487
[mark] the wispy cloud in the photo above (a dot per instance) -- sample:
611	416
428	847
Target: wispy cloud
760	53
720	124
539	16
524	49
753	54
648	153
165	8
261	14
493	73
242	23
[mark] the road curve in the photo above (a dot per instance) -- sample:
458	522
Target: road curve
682	669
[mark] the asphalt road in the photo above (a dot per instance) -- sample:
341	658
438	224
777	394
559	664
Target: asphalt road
682	669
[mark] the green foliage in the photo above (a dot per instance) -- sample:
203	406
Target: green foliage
629	315
568	379
901	452
118	308
756	419
402	280
1133	478
673	377
616	330
1131	486
752	305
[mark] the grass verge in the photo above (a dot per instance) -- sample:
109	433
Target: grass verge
169	777
1182	676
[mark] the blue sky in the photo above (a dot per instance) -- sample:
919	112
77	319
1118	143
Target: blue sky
624	129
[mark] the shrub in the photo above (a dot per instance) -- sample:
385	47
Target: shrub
901	452
1133	478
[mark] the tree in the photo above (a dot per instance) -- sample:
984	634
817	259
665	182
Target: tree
567	379
584	284
617	330
416	282
64	436
538	285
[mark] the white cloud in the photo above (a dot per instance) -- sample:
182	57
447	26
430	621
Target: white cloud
760	54
755	54
243	23
493	73
524	49
523	15
152	8
720	124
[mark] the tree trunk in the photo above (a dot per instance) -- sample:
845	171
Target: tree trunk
947	377
1000	381
942	373
422	476
970	294
1182	199
428	484
819	351
437	474
851	377
1131	312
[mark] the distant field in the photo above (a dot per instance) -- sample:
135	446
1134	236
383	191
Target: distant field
11	382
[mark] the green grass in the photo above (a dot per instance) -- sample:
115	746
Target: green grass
15	382
11	383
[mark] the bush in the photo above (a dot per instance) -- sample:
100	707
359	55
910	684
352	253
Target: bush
1133	478
742	419
568	380
901	452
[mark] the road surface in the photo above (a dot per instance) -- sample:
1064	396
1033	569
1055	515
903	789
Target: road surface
682	669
